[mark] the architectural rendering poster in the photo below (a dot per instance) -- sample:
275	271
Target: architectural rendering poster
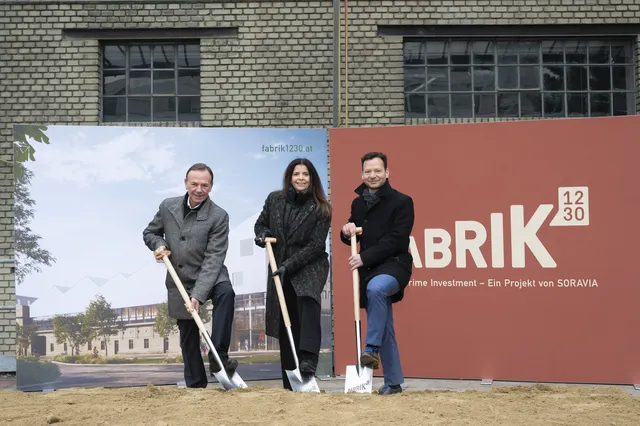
92	301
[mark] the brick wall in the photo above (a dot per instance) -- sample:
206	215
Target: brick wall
278	72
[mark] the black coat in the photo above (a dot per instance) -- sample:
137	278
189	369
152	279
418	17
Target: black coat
300	247
384	242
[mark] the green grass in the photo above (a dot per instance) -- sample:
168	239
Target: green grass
257	359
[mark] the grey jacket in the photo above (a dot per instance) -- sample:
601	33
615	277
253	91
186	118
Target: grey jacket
198	245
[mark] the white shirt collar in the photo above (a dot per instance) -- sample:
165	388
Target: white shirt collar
189	204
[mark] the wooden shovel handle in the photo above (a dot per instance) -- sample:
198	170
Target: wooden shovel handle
185	296
355	276
276	279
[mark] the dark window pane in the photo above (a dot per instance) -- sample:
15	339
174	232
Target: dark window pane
414	106
140	56
437	79
552	52
460	79
485	105
438	106
507	53
508	77
114	82
529	53
553	78
189	82
484	78
554	105
624	103
598	52
530	77
164	108
530	104
164	82
189	55
460	52
621	53
577	78
139	82
600	78
600	104
414	53
623	78
483	52
577	104
576	52
163	56
114	109
414	79
461	105
189	108
139	109
437	53
508	105
114	57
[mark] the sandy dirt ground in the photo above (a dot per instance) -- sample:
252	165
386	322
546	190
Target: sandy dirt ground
517	405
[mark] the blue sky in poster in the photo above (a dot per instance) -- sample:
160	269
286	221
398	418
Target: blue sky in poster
97	187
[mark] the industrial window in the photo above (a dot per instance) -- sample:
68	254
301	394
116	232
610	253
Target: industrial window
236	280
150	82
246	247
130	344
519	78
146	343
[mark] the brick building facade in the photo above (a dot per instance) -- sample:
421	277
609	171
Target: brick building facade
241	63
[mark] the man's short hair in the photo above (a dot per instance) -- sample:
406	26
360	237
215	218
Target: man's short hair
200	167
371	155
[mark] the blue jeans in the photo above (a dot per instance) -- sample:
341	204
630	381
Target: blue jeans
380	331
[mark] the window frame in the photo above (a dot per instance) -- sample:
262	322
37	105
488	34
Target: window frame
630	88
152	43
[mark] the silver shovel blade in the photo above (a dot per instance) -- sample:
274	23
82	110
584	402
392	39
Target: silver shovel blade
298	384
359	382
221	376
229	383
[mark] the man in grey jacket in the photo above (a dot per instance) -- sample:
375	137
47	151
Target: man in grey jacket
193	231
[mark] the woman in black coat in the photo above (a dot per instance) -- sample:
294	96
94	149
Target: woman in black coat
298	216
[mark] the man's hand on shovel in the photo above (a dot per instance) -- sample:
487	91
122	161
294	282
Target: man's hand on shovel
160	253
195	305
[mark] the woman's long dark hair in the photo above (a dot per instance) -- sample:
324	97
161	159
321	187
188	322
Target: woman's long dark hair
315	186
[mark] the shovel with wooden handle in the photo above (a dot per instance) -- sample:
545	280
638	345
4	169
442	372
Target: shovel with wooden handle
358	378
298	384
228	383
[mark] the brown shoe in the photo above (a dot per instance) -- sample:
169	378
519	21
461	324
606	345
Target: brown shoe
370	359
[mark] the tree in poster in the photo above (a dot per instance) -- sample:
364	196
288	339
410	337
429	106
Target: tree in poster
30	257
25	336
164	325
103	321
72	329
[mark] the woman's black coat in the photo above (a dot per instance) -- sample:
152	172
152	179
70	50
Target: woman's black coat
301	249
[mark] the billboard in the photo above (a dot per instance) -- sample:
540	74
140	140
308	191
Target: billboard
81	207
524	248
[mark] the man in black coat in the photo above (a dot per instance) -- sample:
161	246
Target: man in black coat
384	262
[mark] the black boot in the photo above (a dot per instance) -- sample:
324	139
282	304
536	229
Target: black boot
308	364
230	365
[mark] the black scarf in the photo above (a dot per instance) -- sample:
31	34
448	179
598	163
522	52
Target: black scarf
370	198
293	206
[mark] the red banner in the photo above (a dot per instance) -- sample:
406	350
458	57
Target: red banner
524	244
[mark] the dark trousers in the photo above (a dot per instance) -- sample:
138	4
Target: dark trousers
304	313
223	298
